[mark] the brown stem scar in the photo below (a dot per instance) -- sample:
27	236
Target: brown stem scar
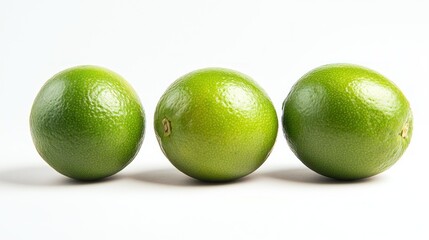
167	126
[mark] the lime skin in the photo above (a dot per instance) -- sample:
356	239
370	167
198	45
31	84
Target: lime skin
347	122
215	124
87	123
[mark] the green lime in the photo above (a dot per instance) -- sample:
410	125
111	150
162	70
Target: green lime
215	124
87	122
347	122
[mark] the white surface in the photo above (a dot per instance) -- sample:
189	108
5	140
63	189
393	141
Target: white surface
151	43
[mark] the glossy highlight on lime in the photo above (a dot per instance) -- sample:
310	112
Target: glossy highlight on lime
347	122
87	123
215	124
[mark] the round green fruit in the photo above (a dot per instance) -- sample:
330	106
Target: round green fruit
216	124
87	123
347	122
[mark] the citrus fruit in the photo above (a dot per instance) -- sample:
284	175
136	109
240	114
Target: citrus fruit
215	124
87	122
347	122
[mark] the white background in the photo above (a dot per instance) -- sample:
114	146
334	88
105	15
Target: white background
152	43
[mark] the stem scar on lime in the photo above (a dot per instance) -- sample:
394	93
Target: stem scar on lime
167	127
404	131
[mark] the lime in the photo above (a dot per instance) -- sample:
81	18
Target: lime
87	122
215	124
346	121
